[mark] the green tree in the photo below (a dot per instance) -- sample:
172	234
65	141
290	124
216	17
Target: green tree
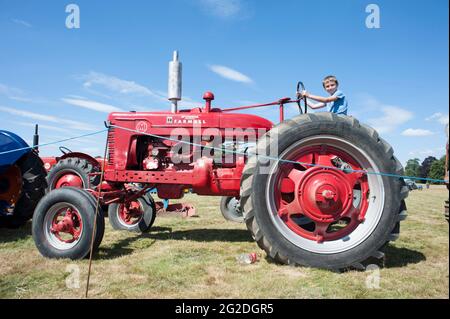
426	165
413	167
437	169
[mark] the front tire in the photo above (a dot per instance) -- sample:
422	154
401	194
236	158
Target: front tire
308	214
63	224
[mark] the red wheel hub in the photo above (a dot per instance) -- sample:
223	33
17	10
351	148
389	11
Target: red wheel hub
69	179
324	194
132	213
67	225
321	195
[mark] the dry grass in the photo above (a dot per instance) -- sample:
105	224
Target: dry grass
195	258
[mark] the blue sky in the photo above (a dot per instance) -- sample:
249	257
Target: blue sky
245	51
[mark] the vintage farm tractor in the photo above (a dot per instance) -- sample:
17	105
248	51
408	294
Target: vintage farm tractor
22	180
314	190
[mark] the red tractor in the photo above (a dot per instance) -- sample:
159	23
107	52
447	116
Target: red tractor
315	190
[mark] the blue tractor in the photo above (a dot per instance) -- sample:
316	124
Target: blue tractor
22	180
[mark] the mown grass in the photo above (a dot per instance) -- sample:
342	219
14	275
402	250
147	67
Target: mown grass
195	258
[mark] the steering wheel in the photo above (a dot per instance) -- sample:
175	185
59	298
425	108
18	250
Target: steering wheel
64	150
300	89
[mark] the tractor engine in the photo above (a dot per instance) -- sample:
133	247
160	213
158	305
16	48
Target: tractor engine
155	156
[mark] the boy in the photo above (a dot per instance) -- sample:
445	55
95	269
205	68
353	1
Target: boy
337	99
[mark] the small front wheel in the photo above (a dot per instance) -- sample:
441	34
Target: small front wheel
136	216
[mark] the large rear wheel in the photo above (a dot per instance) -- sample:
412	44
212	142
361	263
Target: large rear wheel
75	172
315	206
23	185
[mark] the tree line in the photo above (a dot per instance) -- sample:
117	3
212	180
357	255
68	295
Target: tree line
431	167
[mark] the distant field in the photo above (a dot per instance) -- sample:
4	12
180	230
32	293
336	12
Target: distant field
195	258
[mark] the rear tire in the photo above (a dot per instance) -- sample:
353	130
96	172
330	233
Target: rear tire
78	168
446	210
382	223
52	211
33	189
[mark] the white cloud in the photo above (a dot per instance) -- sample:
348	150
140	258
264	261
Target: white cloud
16	94
22	22
222	8
230	74
436	152
10	92
117	85
416	132
441	118
49	118
392	117
44	126
128	92
92	105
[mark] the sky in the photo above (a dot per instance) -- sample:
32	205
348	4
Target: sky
396	76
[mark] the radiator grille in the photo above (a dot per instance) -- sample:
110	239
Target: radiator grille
111	143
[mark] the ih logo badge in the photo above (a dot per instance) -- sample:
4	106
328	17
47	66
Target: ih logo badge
169	120
141	126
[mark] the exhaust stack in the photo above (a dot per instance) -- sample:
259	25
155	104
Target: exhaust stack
174	90
36	138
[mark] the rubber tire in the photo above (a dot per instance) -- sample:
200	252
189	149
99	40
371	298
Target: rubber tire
256	213
231	215
33	189
85	208
446	210
80	165
144	224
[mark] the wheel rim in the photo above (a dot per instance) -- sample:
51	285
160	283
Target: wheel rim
68	178
233	207
63	226
324	210
131	214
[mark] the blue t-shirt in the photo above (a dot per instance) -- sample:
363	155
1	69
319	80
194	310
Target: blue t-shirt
340	105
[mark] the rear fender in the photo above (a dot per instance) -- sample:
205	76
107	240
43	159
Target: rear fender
97	162
9	142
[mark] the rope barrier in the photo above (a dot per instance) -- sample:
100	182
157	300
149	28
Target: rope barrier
51	143
233	152
282	160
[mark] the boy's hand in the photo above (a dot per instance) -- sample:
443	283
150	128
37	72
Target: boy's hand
302	94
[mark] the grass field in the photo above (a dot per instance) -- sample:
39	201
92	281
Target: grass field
195	258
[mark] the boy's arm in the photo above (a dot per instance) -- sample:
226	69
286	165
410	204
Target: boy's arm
322	98
315	105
